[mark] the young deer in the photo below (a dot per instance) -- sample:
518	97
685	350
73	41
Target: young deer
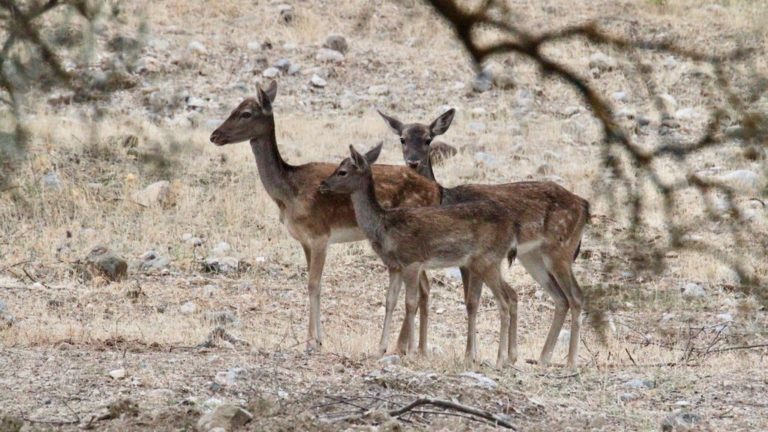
315	219
476	236
551	221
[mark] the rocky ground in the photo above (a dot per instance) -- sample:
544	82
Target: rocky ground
146	283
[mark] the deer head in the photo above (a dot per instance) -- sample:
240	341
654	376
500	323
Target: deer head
352	173
416	138
251	119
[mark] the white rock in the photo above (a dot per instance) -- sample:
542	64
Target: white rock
726	317
270	72
318	82
196	102
326	55
52	181
693	290
483	82
390	360
157	193
294	69
117	374
480	380
188	308
668	102
197	47
378	90
741	179
639	384
254	46
687	114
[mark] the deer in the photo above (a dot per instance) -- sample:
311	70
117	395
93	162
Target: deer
551	220
475	235
317	220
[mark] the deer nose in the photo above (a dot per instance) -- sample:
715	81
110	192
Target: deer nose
215	137
413	163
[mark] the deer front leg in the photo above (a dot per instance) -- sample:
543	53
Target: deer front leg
316	255
393	292
424	290
407	336
473	291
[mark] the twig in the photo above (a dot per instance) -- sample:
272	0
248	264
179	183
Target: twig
742	347
630	356
452	406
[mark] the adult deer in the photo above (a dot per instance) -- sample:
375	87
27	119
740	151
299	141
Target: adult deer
477	236
551	221
315	219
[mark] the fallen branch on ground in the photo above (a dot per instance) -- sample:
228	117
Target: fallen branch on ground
453	406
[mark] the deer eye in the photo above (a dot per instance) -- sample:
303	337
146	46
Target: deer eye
429	141
246	115
402	140
342	173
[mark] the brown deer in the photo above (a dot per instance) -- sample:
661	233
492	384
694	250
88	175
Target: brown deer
476	235
316	219
551	221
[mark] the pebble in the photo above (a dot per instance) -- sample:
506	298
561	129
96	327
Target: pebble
270	72
480	380
390	360
157	193
117	374
197	47
693	290
336	43
378	90
51	181
318	82
326	55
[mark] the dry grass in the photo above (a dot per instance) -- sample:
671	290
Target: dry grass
219	198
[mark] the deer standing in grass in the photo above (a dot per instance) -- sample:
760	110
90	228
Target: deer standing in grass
476	236
316	219
551	221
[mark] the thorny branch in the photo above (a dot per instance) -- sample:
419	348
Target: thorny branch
618	145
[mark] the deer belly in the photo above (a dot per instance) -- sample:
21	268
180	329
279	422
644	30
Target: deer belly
446	261
345	235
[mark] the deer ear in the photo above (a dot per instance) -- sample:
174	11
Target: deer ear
266	103
374	153
441	124
357	158
271	91
393	123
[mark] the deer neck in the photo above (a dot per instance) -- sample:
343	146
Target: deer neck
426	171
273	170
368	211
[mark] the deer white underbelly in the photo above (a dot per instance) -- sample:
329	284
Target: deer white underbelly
345	235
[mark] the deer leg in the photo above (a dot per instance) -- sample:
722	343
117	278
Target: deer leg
317	255
464	281
393	292
563	275
424	290
407	338
534	264
492	278
472	303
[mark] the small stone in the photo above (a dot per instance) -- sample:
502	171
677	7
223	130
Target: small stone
106	263
225	264
152	260
639	384
117	374
325	55
378	90
680	422
210	290
336	43
687	114
480	380
318	82
339	368
188	308
227	417
294	69
157	193
735	131
254	46
693	290
197	48
725	317
602	62
629	397
571	111
270	72
390	360
282	64
741	179
51	181
667	102
483	82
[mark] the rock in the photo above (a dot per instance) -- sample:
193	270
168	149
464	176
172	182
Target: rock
117	374
693	290
486	159
336	43
227	417
680	422
625	113
687	114
270	72
229	378
602	62
158	193
318	82
735	131
195	102
286	12
192	240
725	317
480	380
197	48
253	46
222	248
571	111
106	263
325	55
152	260
283	65
294	69
188	308
667	102
440	151
483	82
629	397
390	360
378	90
639	384
51	181
741	179
225	264
523	99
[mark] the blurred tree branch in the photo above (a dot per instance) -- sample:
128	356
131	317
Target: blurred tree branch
496	17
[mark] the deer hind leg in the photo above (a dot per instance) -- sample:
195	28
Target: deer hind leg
424	290
474	290
562	273
316	255
465	275
406	341
393	292
492	278
533	262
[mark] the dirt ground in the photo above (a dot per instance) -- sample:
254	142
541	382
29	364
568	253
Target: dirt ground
170	343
